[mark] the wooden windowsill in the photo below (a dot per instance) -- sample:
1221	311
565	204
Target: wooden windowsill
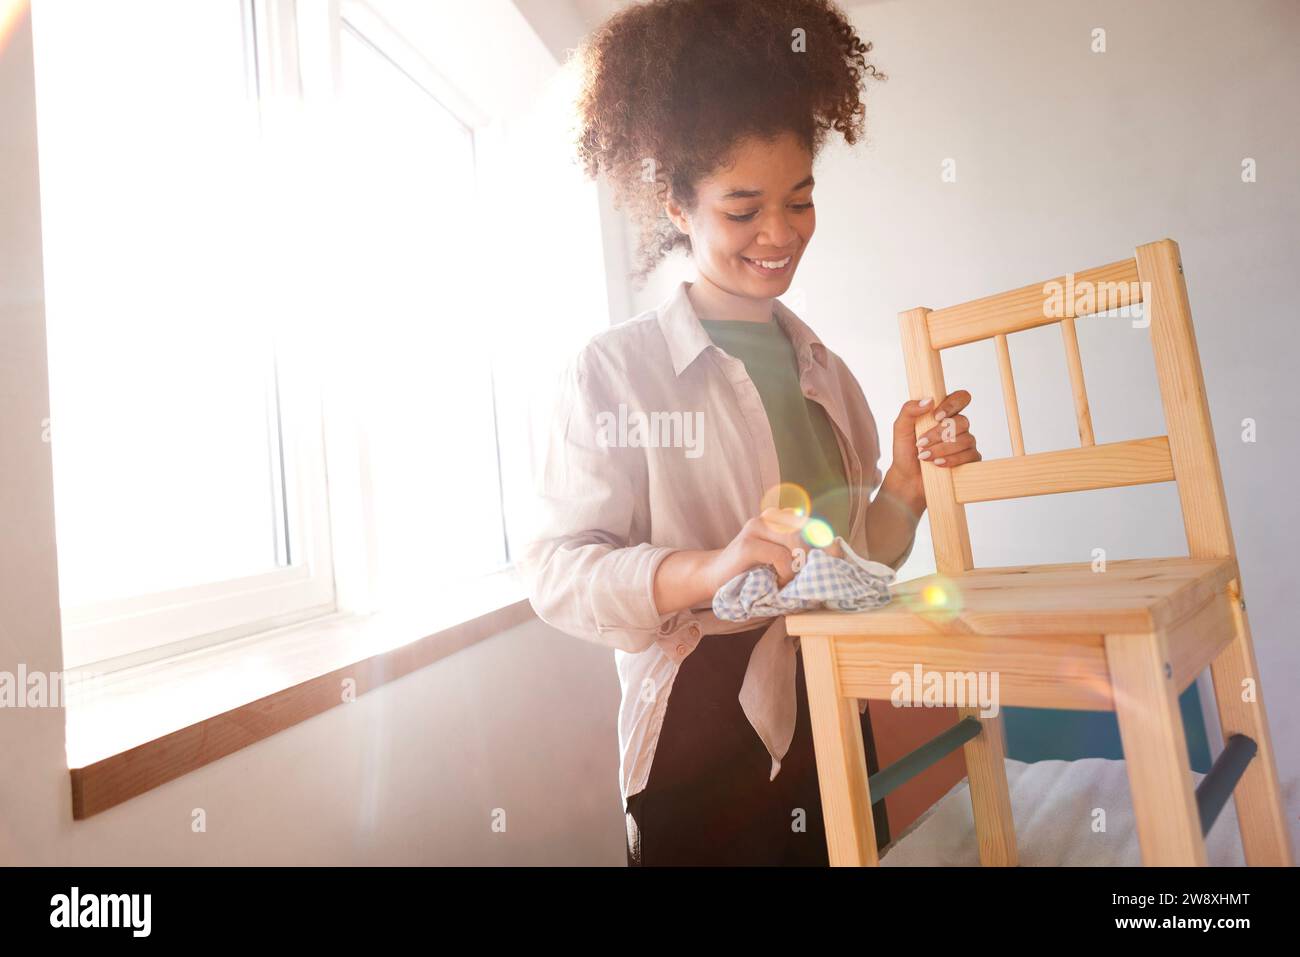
144	726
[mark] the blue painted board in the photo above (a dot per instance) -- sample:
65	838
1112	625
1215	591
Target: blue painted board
1041	734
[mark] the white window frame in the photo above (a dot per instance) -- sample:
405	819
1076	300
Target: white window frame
366	22
327	472
351	503
122	632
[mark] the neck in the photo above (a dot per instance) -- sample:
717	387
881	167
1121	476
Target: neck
711	301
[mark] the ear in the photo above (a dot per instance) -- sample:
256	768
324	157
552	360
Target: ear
677	215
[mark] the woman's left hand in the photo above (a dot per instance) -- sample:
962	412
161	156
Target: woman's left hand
949	442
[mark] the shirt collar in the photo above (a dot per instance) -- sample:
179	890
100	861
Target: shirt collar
687	338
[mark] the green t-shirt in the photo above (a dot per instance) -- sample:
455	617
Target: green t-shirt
806	447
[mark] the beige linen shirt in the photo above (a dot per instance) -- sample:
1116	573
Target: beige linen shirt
616	498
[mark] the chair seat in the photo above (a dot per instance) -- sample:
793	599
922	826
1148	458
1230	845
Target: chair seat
1131	595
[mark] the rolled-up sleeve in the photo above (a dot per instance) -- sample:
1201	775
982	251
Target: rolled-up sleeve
586	570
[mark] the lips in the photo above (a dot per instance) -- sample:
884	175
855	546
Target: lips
772	263
769	268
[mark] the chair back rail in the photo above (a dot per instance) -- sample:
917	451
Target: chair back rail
1186	455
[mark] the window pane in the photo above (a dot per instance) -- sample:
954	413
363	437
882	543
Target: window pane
423	336
161	369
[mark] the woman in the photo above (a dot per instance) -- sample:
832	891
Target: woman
715	433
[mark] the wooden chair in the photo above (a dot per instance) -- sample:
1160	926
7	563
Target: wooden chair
1128	639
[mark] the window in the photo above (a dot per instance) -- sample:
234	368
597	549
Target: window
473	267
306	296
420	345
188	483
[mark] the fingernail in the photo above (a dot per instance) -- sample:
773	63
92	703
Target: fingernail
923	403
922	442
938	461
940	415
926	455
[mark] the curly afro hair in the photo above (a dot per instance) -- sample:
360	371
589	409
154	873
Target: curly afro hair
667	87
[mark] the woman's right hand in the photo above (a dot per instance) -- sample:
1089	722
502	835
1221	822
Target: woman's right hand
766	539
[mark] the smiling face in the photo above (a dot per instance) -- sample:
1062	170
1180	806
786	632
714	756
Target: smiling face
753	218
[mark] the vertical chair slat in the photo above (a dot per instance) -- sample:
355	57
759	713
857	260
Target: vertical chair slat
986	772
1082	414
1009	397
1187	410
1261	815
842	777
948	529
1155	751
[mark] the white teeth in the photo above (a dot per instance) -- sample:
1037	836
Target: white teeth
768	264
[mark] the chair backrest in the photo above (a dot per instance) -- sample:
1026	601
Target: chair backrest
1186	455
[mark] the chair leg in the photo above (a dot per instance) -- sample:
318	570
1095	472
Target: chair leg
986	771
1258	796
841	759
1155	750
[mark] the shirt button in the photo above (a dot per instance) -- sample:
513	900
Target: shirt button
681	649
695	631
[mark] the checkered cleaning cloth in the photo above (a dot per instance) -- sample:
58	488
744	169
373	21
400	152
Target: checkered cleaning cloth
822	581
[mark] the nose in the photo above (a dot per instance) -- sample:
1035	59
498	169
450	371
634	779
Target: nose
776	231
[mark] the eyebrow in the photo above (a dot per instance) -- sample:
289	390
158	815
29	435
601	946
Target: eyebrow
751	193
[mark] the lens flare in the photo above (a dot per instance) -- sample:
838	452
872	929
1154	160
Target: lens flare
788	495
933	596
939	600
818	533
11	12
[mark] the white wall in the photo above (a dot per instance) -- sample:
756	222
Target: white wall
1065	159
409	774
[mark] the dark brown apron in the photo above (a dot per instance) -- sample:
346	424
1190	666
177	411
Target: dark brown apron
708	799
